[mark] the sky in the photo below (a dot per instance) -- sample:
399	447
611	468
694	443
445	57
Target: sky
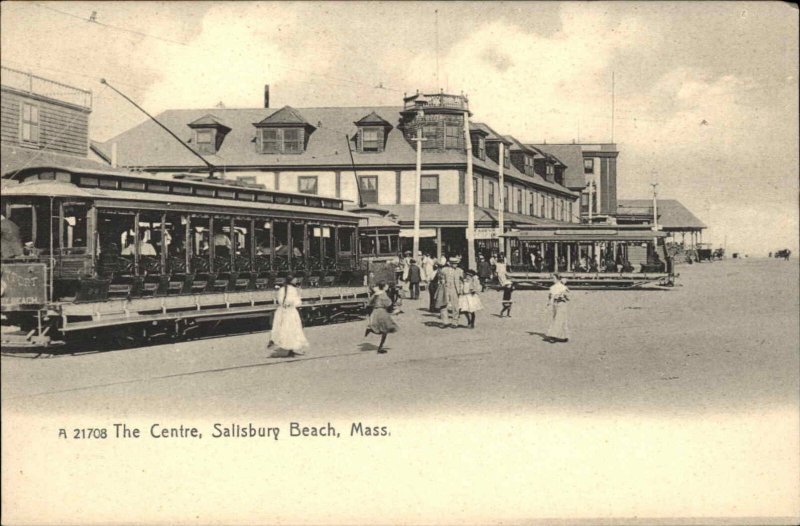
706	93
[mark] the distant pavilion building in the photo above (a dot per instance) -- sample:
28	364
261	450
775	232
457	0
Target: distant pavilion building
673	218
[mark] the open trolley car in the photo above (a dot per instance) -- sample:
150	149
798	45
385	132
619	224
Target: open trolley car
590	257
119	253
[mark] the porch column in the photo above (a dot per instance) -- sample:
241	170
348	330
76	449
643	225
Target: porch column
569	257
438	242
555	256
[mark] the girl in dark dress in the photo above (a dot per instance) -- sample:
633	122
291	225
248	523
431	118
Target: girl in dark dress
380	320
508	288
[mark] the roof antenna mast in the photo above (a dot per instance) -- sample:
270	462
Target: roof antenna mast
211	168
438	86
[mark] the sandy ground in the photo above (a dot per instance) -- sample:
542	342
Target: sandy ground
724	340
663	405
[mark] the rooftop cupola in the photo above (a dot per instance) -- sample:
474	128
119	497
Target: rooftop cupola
440	116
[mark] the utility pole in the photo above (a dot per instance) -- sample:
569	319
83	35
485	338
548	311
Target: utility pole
501	242
211	168
418	183
612	106
469	186
655	207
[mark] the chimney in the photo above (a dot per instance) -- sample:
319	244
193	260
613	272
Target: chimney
113	155
266	95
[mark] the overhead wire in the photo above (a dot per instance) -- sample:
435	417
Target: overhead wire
109	26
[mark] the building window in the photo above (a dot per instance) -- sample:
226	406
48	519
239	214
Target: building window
307	184
550	171
519	201
529	165
491	196
506	157
475	192
506	204
479	147
293	141
429	185
370	140
588	166
451	137
369	188
542	206
430	134
530	203
282	140
205	141
30	123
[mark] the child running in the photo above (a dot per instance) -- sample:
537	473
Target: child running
508	289
380	321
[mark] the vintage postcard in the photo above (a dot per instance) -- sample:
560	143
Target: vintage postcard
399	263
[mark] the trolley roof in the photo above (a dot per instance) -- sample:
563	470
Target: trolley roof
586	233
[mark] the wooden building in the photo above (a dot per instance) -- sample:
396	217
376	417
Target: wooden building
362	154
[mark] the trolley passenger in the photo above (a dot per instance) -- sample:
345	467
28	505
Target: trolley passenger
287	328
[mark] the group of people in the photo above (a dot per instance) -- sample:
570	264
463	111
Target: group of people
453	292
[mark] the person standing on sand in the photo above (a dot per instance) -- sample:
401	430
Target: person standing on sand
287	328
447	293
380	321
557	299
469	303
414	277
433	285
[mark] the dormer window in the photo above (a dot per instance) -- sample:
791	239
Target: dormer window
506	157
282	140
209	133
371	139
205	141
528	165
285	131
372	133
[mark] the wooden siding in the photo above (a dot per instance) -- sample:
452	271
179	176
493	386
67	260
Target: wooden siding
62	129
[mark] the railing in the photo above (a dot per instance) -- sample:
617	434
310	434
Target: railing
437	100
30	83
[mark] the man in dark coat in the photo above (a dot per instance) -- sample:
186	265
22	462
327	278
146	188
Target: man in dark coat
414	279
484	270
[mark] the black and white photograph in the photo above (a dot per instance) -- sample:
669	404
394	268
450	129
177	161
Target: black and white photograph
400	263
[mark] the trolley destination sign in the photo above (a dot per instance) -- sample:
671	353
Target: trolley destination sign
23	284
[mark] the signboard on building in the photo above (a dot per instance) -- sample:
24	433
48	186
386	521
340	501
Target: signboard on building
487	233
23	284
423	232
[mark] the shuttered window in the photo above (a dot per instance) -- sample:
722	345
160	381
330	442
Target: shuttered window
282	140
30	123
452	134
430	134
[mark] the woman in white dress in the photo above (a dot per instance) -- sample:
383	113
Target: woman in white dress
469	302
287	328
557	303
501	270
